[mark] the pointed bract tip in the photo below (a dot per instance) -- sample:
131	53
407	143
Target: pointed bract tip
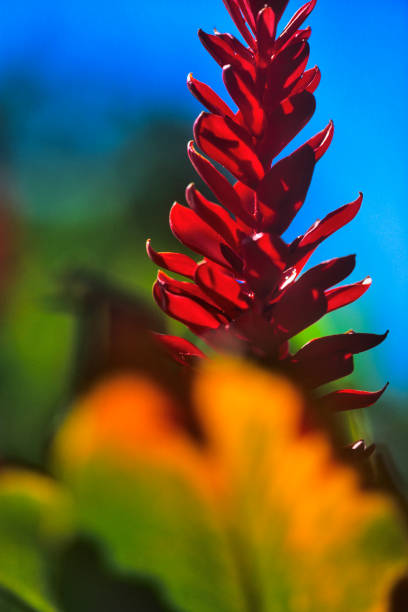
173	206
149	249
370	450
321	141
344	259
358	445
200	116
382	337
380	392
196	126
358	201
361	448
190	187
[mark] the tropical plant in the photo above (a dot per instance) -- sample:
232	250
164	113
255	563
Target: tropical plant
248	292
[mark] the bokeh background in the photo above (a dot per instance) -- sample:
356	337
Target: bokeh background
94	118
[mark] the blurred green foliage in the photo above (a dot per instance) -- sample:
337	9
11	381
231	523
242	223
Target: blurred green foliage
101	227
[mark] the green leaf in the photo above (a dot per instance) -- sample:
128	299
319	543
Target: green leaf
9	602
153	525
85	583
34	514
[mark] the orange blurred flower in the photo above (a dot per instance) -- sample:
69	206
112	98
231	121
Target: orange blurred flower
256	515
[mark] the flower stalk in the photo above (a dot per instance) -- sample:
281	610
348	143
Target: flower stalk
249	291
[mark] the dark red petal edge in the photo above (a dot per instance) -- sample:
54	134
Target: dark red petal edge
180	349
351	399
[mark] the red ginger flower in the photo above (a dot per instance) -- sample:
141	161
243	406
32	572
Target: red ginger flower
248	288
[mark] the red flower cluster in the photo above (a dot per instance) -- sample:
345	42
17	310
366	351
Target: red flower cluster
248	289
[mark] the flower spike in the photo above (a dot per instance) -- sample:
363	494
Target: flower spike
248	291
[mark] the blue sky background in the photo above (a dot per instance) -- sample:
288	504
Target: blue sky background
79	73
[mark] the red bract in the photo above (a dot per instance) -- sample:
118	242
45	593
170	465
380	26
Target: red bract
248	291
